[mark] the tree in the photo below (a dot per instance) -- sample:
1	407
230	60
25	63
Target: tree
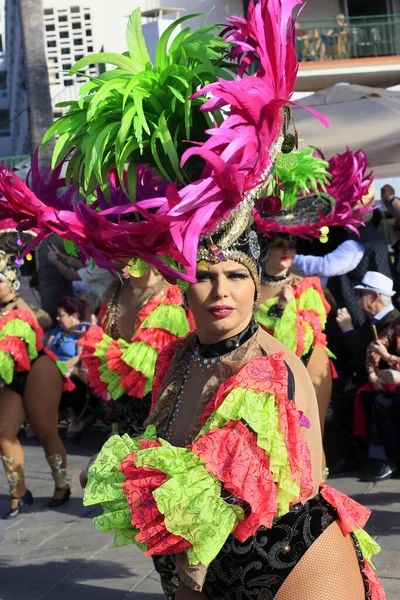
37	85
40	115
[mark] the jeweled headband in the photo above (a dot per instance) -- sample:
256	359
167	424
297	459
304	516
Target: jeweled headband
245	250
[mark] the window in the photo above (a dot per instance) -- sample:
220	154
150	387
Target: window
68	82
75	9
50	27
87	16
88	32
78	57
48	11
52	44
66	50
66	66
78	42
63	18
77	25
90	48
64	34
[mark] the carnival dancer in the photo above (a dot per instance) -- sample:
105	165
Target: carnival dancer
292	308
230	462
120	364
26	368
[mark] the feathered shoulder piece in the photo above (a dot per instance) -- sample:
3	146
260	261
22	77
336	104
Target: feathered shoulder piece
168	153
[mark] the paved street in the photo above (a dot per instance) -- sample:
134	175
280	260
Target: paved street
58	555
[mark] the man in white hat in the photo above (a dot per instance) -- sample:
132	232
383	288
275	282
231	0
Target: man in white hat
374	295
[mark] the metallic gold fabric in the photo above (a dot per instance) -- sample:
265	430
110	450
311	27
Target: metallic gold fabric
12	474
58	472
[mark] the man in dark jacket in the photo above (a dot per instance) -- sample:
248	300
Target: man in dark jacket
375	294
346	266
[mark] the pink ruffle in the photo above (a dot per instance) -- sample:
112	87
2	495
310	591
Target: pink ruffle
231	454
269	374
145	516
375	587
131	381
17	349
27	316
352	515
157	338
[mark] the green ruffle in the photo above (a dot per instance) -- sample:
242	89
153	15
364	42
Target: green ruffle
6	367
111	378
261	413
104	487
170	317
24	331
191	501
142	357
368	546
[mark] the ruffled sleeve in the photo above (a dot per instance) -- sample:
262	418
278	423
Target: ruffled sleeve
117	367
352	518
246	466
21	340
301	324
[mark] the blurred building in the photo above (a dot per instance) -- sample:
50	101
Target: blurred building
363	47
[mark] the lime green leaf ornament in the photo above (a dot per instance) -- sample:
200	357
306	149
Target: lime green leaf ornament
137	267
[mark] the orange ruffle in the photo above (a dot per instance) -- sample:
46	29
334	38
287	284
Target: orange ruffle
133	382
92	363
27	316
269	374
145	516
375	587
172	295
18	350
231	454
352	515
158	338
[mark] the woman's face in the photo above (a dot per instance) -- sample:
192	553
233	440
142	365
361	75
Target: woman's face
5	289
281	256
222	300
66	321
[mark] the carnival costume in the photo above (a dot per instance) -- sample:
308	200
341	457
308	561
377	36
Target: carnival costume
21	344
124	370
314	195
242	477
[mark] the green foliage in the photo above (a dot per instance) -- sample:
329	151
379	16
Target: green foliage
140	112
308	174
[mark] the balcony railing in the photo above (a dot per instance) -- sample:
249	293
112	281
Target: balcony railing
12	161
356	37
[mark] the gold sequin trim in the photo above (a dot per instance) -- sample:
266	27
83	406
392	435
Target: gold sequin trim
13	475
58	472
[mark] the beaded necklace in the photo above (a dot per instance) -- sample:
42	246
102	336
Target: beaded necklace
206	357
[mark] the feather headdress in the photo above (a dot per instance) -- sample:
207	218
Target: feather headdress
209	131
317	194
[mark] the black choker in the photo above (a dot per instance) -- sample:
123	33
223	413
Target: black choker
4	304
226	346
277	278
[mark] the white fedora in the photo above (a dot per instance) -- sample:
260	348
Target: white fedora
376	282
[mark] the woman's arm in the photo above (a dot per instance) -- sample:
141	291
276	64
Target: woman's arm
72	362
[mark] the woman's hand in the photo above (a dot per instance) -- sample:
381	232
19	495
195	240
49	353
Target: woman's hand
285	296
381	350
83	475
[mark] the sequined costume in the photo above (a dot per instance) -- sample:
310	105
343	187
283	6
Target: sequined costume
21	343
124	370
239	480
301	324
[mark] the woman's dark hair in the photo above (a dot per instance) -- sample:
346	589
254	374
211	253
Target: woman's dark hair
73	305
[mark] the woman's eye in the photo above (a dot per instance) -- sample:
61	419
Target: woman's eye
239	276
201	278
